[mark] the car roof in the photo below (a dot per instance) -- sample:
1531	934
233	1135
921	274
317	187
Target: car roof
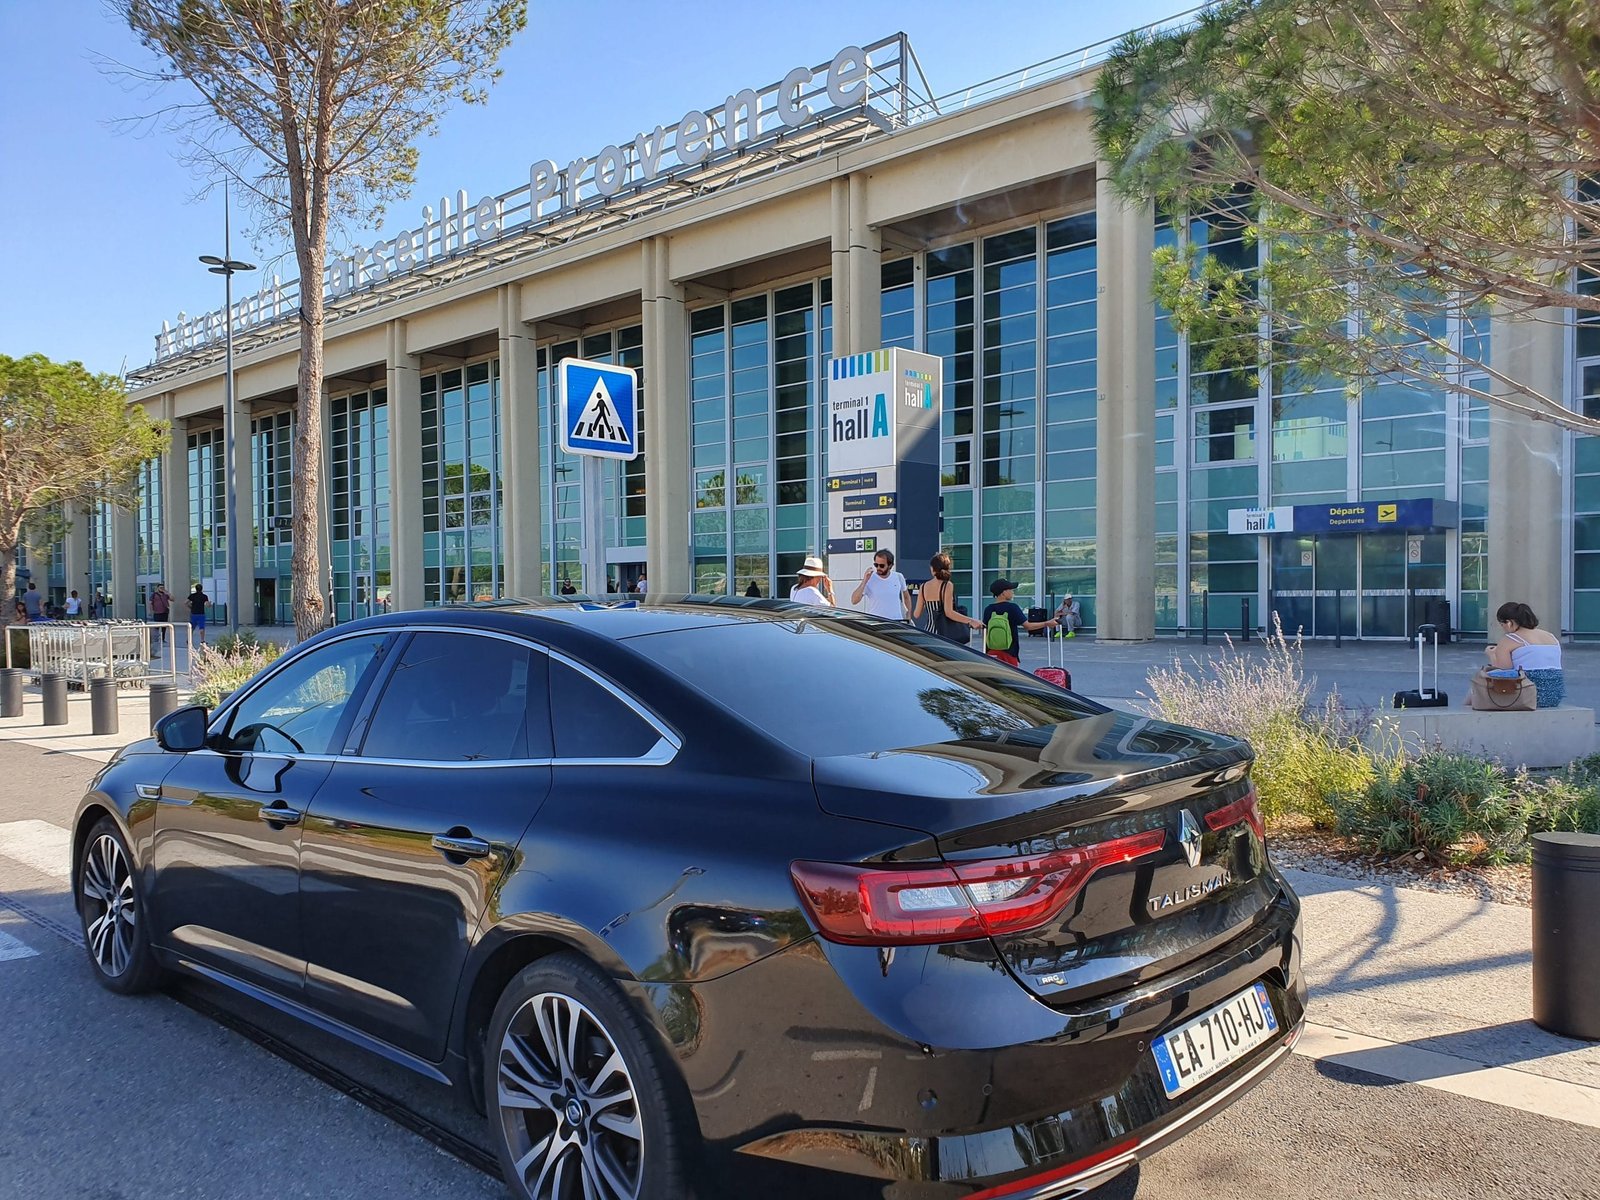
608	617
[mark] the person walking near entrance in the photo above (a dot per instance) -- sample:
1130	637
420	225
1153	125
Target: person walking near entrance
160	609
883	589
1004	623
811	585
197	612
33	601
74	606
936	604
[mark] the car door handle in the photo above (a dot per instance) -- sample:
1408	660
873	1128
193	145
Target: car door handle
464	847
279	816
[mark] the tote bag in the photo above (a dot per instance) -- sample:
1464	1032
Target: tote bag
1494	690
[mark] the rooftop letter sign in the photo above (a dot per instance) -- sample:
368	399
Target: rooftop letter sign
852	83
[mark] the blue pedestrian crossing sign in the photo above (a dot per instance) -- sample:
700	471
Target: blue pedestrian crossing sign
599	409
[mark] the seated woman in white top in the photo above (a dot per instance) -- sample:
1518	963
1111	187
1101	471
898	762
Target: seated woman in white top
1534	650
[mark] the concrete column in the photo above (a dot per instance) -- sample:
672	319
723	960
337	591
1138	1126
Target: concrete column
244	571
1527	497
521	464
405	472
124	570
1125	528
175	507
669	559
857	271
77	555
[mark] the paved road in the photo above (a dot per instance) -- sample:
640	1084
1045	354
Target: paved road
109	1098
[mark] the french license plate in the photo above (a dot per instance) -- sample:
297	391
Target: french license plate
1198	1049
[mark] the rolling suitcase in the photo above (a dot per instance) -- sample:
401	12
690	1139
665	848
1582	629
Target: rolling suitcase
1038	614
1424	697
1059	676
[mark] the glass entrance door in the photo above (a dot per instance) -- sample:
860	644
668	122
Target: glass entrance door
1314	584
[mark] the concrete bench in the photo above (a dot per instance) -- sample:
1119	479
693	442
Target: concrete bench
1550	737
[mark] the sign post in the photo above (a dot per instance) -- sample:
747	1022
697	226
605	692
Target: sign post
598	419
883	463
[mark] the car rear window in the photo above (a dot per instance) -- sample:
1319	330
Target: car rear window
831	685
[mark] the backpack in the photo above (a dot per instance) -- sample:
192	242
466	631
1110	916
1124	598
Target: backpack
997	632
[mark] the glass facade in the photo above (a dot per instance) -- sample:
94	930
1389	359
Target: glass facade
208	541
147	568
359	503
461	488
271	475
1013	318
755	408
102	551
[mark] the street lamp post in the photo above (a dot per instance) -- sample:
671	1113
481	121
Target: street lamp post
226	266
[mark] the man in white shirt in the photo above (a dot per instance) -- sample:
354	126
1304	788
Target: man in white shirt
810	583
883	590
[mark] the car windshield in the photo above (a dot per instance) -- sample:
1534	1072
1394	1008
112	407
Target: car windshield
838	685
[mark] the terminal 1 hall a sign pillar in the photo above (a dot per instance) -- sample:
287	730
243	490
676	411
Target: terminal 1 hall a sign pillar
882	478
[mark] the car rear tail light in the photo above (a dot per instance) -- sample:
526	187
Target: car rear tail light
877	906
1243	809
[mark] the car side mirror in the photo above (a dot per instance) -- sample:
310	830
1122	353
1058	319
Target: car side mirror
183	729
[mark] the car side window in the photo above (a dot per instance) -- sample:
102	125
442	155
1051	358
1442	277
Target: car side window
591	722
462	697
299	708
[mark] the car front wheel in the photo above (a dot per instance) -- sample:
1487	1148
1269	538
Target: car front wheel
112	911
579	1094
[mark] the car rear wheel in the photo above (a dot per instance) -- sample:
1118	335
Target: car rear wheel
114	929
579	1095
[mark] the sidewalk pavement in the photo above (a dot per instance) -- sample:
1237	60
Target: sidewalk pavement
1365	674
1436	989
75	737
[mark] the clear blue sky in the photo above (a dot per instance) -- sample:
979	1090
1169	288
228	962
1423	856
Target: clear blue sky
105	226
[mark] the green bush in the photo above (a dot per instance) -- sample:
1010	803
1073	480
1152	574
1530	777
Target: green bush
227	665
1453	808
1304	757
1566	803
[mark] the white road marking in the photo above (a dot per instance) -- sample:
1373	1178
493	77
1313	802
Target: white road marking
1505	1086
839	1055
11	947
45	847
866	1096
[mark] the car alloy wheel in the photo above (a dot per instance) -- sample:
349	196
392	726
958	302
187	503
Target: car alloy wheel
109	906
567	1104
110	917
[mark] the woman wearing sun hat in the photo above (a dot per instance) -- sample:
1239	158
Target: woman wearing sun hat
812	585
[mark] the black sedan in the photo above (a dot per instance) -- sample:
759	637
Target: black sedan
682	889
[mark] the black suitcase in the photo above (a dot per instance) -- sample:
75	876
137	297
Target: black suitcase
1038	614
1424	697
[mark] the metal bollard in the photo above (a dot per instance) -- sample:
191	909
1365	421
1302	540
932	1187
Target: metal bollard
11	691
54	687
1566	955
1244	619
163	699
102	706
1205	617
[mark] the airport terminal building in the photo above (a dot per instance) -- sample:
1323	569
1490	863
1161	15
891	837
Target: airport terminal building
729	255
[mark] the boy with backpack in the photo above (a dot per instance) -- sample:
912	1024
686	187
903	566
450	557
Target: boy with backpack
1004	622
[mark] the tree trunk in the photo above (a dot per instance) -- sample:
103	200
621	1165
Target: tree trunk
8	580
310	612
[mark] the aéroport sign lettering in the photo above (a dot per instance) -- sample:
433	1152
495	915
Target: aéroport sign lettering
699	137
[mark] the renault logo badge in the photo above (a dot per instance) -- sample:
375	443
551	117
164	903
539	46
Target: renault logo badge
1189	837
